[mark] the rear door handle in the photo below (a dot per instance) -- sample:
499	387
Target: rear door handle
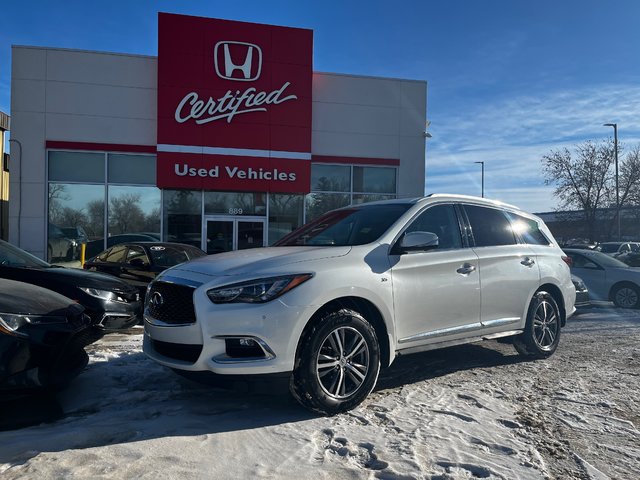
528	262
466	269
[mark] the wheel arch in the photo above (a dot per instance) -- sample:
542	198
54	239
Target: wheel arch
365	308
556	293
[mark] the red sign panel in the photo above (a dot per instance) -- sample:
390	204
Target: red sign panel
234	105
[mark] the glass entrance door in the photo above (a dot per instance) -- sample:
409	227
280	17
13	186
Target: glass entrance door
223	234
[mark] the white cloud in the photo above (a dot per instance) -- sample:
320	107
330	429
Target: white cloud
511	136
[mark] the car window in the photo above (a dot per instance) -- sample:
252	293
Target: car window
441	220
635	247
580	261
15	257
136	252
117	254
609	247
528	229
166	256
490	226
103	256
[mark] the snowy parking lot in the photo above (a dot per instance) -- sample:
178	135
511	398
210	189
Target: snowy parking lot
474	411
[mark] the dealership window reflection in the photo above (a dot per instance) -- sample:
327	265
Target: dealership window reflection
182	217
76	216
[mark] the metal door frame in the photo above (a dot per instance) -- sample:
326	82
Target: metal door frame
233	219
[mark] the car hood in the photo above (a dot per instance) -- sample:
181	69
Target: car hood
257	260
57	276
23	298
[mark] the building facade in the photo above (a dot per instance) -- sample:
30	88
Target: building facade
4	178
226	140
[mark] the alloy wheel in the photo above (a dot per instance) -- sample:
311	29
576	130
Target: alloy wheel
626	297
342	362
545	325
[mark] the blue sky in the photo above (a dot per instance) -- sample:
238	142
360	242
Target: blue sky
508	80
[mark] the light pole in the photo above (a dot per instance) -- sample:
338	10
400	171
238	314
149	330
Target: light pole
615	145
482	164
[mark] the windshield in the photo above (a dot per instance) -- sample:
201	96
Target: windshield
15	257
348	226
609	247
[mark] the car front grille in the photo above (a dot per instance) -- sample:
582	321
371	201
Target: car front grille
171	303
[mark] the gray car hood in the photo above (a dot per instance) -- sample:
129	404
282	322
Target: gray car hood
256	260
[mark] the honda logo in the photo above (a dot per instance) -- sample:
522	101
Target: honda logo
230	58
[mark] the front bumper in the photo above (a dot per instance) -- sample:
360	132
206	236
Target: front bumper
210	343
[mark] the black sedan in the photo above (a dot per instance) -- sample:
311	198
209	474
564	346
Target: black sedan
139	262
42	337
110	302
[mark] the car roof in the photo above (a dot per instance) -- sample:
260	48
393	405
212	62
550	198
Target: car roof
439	196
153	244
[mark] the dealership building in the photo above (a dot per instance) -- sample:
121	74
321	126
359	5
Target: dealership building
226	140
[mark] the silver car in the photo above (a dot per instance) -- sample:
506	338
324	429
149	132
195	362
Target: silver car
607	278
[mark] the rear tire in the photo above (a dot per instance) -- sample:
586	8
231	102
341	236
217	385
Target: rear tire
542	331
338	363
626	295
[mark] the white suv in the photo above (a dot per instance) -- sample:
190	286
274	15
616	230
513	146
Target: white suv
345	294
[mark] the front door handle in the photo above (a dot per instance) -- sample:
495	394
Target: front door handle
466	269
528	262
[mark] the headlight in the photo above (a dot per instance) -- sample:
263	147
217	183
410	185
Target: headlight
10	322
103	294
257	291
579	285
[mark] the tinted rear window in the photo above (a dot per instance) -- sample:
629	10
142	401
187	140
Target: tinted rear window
490	226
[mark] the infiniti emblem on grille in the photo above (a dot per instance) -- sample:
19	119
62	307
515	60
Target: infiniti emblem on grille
156	299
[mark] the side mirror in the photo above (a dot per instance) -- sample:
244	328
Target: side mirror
418	241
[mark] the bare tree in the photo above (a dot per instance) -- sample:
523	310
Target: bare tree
585	181
581	179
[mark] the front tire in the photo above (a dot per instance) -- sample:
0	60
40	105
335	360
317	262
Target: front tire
542	331
626	296
338	363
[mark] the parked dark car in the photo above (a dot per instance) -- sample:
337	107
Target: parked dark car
42	337
110	302
96	246
59	245
582	293
140	262
76	233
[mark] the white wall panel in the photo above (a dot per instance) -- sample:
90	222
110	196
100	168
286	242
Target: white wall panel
101	68
28	96
101	100
368	119
86	128
28	63
352	90
355	145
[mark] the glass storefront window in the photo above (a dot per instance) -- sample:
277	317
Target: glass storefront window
182	211
374	179
330	178
132	169
76	167
235	203
374	197
285	215
76	216
318	203
134	210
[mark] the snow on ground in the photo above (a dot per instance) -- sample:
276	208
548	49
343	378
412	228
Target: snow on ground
474	411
